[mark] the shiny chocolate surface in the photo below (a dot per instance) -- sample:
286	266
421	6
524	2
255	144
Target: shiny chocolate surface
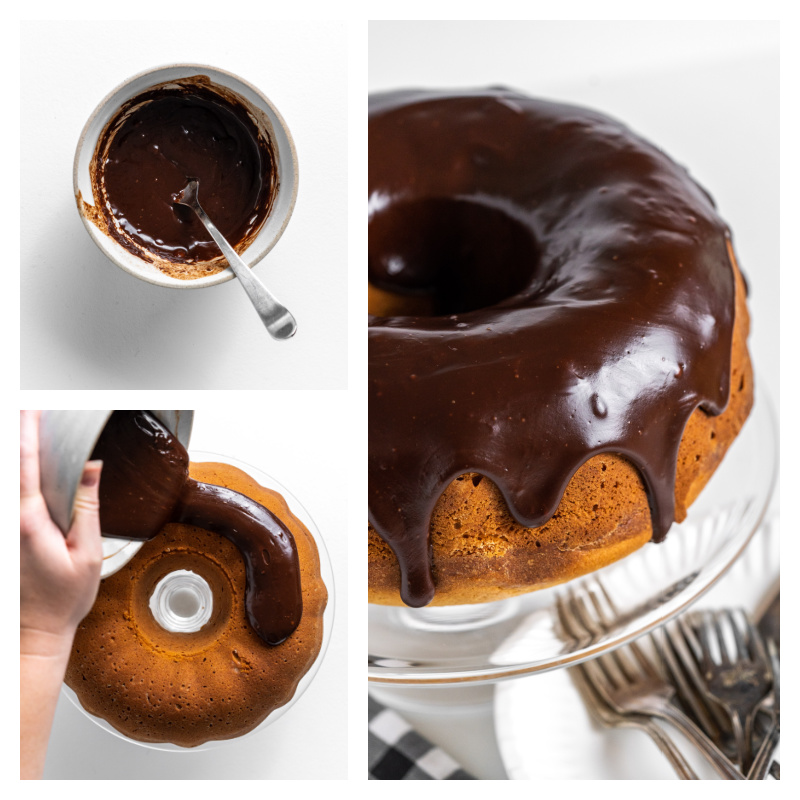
582	303
155	144
145	484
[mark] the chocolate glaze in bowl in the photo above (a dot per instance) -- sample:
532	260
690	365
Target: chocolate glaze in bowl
150	149
153	240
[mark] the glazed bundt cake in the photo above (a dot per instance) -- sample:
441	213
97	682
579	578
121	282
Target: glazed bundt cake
557	344
219	682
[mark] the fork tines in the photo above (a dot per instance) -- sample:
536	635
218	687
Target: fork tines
719	663
631	680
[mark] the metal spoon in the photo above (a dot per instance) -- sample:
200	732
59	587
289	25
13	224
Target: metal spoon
276	317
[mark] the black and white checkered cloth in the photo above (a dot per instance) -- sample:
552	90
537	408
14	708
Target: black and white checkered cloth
398	753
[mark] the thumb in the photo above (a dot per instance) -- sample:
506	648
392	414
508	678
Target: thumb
84	535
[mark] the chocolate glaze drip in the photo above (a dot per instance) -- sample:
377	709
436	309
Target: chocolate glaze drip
273	600
155	144
145	484
145	469
583	300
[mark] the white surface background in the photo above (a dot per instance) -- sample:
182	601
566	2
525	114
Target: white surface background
310	741
707	93
87	324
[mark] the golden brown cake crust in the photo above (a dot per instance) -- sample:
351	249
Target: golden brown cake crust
480	553
218	683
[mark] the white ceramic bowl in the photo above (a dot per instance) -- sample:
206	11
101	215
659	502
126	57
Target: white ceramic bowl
286	158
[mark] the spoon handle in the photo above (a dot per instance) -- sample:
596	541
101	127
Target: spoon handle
277	319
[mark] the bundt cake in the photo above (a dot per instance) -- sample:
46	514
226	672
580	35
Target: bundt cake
212	624
557	344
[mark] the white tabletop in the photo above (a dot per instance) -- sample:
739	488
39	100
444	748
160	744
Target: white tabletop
707	93
85	323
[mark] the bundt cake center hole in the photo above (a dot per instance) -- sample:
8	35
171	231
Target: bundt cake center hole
445	256
185	603
182	602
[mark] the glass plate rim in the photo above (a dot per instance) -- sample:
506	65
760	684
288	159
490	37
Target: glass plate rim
764	413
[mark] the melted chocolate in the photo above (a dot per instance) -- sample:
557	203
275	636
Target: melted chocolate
584	303
155	144
145	469
145	484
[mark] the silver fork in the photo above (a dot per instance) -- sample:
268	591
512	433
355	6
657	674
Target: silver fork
606	716
628	681
680	651
739	679
761	763
684	655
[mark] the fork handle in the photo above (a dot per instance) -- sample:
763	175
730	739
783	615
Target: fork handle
760	767
712	753
668	748
743	734
277	319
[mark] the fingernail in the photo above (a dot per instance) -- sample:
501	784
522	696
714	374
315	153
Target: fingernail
91	473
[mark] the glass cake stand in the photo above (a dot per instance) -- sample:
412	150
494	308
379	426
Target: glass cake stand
326	571
520	636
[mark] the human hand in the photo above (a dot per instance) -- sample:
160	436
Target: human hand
59	576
